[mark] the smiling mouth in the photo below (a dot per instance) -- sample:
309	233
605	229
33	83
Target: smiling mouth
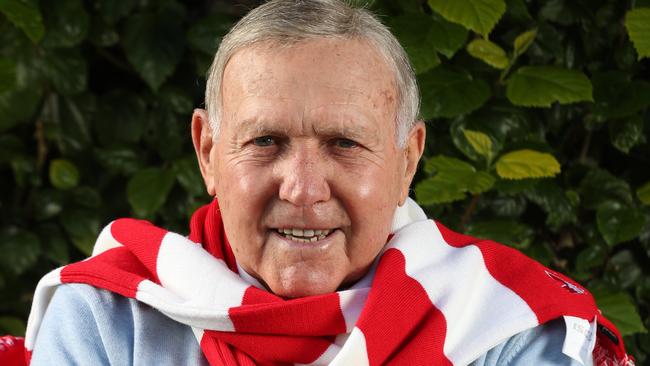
305	235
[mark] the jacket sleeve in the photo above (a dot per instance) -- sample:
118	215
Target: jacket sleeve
540	346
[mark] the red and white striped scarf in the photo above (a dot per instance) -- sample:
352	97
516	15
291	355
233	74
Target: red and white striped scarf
433	297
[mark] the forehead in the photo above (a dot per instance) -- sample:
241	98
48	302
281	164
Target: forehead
319	73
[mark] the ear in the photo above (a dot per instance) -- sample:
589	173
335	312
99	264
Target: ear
203	145
413	152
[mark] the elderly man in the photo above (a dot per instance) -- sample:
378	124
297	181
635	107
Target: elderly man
312	252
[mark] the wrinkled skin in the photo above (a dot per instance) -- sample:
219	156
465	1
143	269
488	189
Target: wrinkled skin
307	140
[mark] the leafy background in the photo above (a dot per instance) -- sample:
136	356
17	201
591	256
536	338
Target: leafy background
537	114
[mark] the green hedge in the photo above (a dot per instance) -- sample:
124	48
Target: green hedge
537	111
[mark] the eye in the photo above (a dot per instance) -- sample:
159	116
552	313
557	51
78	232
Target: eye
345	143
264	141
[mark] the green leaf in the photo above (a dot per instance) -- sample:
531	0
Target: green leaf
599	186
119	159
433	191
63	174
523	41
189	176
12	325
66	69
26	16
513	187
508	206
165	135
637	22
499	123
77	114
24	169
17	106
56	245
205	34
620	309
478	15
7	75
548	195
66	22
147	190
618	223
447	93
47	203
558	11
86	197
102	34
112	11
154	45
539	86
511	233
488	52
411	31
452	180
82	227
481	143
120	118
617	97
591	258
643	193
10	148
627	134
20	250
521	164
177	99
623	269
548	45
446	37
517	10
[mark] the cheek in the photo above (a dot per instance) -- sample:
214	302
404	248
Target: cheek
372	198
239	186
378	186
243	199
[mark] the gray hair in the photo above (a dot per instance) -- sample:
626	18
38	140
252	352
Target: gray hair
287	22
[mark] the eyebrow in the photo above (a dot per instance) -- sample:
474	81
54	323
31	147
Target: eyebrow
261	127
345	130
256	126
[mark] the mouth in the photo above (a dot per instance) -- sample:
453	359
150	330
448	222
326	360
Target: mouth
305	235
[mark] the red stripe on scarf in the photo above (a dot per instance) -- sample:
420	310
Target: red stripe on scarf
528	279
399	321
533	283
116	270
206	228
265	313
143	239
273	349
219	353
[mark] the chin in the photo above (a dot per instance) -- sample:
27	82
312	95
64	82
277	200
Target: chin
311	284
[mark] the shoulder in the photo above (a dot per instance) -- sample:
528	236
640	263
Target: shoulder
94	326
541	346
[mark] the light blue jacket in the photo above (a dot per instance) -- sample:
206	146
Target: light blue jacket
88	326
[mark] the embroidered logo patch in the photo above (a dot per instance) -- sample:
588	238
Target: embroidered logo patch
566	284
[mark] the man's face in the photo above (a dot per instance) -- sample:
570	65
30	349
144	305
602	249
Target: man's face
306	168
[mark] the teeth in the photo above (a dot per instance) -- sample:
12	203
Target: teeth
305	235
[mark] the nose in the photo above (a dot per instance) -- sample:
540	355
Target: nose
304	178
